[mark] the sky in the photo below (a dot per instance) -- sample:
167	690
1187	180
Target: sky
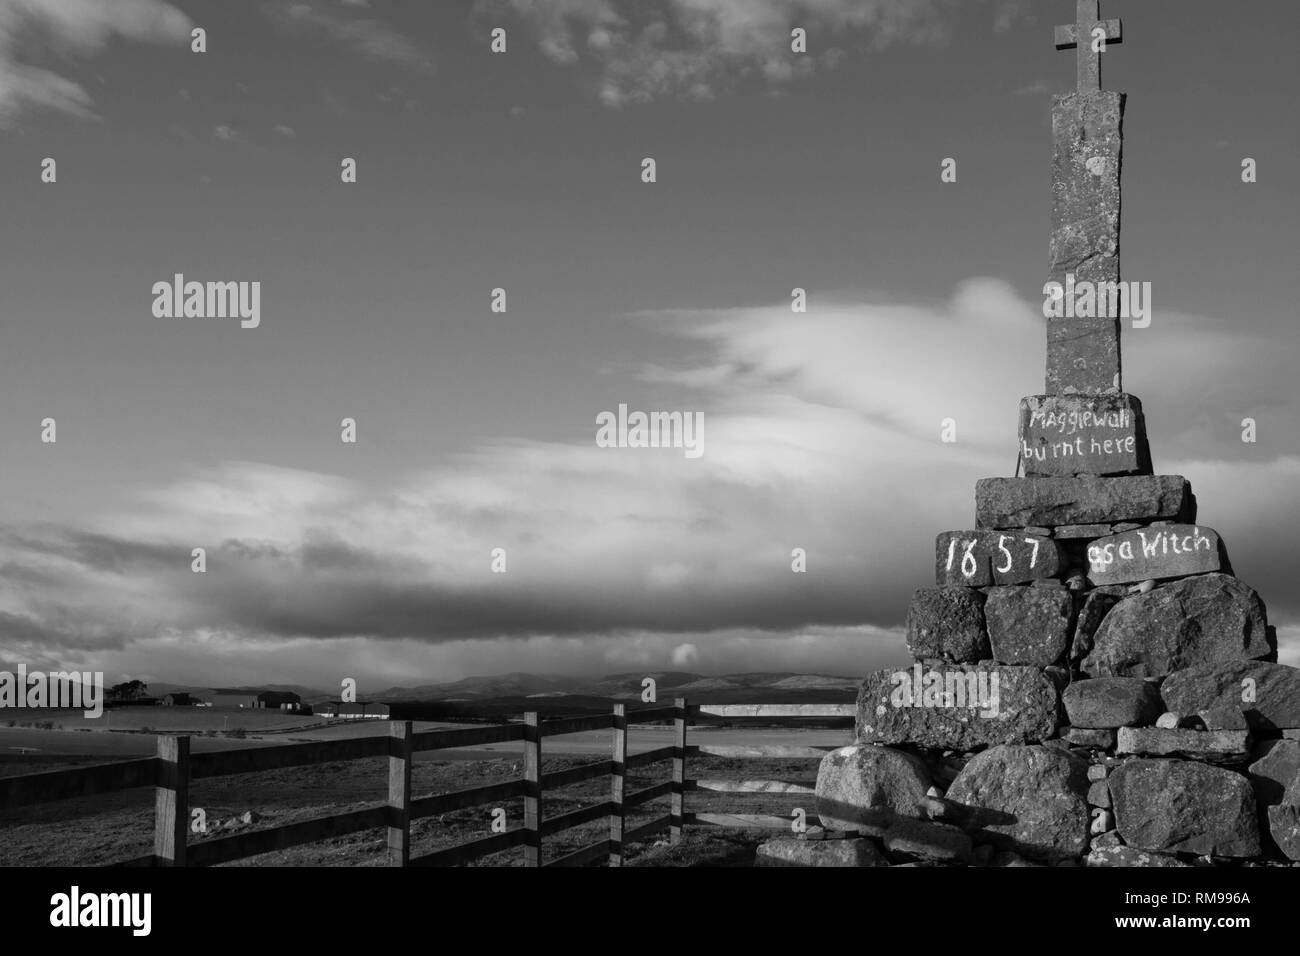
475	429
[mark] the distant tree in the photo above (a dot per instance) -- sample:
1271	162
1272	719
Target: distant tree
131	690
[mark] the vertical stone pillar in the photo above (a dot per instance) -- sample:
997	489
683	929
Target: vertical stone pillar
1083	354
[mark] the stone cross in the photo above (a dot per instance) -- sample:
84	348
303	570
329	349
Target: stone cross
1080	35
1083	353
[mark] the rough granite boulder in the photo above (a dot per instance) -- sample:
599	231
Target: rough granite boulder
1291	797
787	852
1092	739
1268	694
1221	717
957	706
925	841
1182	806
947	624
1196	621
1276	763
1030	800
1109	702
1029	625
1050	502
1284	827
866	786
1096	605
1198	744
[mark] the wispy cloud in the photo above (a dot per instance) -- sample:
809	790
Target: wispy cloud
646	49
367	36
33	31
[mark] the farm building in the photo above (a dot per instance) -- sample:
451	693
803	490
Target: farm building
279	700
179	699
225	697
254	699
355	710
392	710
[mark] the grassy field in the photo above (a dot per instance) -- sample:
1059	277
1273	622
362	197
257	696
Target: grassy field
116	826
195	720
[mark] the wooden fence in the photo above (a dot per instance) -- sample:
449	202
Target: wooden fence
174	767
793	794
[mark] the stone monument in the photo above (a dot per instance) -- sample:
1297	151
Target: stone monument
1092	683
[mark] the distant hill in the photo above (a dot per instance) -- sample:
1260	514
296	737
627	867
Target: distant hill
502	696
780	687
502	685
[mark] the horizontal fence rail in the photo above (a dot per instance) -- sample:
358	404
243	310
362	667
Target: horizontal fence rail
468	852
821	711
54	785
782	751
464	799
173	769
740	821
779	787
779	791
224	763
226	849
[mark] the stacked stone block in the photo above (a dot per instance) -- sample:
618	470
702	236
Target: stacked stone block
1092	685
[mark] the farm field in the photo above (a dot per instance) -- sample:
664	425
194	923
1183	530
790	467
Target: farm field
116	826
17	743
166	719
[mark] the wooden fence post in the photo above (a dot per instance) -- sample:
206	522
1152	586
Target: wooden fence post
532	789
172	801
399	793
678	820
618	786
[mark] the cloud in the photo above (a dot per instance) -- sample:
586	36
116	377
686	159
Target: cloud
822	433
369	37
694	49
34	30
1007	13
685	655
286	131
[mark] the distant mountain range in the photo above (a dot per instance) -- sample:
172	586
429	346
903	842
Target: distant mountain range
780	687
623	686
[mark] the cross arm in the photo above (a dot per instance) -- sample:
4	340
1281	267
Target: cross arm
1068	36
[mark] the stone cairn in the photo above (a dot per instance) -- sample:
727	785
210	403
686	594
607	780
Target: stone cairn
1092	683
